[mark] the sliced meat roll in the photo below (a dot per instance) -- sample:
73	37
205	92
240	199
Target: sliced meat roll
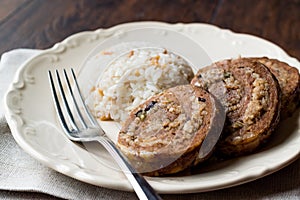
172	130
251	97
289	81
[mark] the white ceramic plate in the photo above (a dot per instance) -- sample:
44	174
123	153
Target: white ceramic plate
34	124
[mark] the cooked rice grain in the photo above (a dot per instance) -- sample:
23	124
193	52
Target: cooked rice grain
134	77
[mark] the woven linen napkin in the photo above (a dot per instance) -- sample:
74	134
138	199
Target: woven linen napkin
23	177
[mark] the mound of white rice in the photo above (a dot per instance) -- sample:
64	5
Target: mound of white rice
134	77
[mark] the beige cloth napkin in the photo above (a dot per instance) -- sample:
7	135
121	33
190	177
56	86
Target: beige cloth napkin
22	177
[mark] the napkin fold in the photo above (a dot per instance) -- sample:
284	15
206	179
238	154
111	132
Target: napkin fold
20	172
21	176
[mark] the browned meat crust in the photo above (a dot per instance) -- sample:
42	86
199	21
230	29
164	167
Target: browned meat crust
169	132
251	97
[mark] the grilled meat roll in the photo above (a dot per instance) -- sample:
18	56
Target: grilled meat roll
251	97
171	131
289	81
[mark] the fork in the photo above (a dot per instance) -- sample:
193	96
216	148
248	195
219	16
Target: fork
80	126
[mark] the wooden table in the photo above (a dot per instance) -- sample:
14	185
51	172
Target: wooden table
41	23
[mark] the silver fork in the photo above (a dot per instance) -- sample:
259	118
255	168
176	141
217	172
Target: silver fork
80	126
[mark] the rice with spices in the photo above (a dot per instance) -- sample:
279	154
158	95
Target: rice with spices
134	77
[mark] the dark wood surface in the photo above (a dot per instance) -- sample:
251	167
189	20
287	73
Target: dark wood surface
42	23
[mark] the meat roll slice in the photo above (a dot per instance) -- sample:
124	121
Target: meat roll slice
250	95
172	130
289	81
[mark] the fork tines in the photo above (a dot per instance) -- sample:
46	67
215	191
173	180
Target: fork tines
69	102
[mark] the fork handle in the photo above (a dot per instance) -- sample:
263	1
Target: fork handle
142	188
